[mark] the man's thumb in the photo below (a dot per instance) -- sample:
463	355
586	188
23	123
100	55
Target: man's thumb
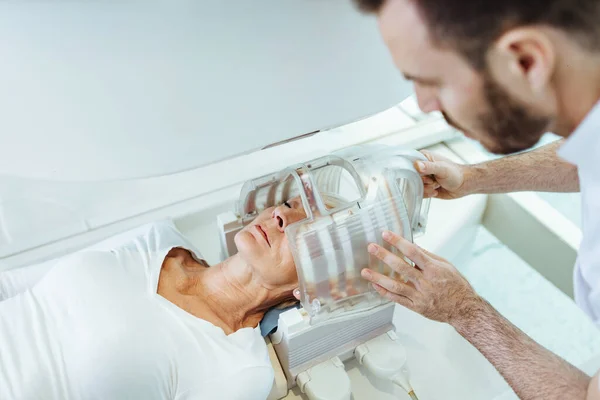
431	168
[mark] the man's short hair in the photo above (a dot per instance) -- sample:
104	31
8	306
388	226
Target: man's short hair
471	26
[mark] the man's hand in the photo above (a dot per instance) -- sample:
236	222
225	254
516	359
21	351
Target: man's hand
443	178
432	288
537	170
436	290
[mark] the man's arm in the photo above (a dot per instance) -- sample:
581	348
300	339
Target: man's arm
540	170
532	371
537	170
436	290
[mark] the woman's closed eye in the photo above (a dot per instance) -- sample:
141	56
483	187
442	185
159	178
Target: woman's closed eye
285	203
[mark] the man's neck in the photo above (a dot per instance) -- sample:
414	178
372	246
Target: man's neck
578	89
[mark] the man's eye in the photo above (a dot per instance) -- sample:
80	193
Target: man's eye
285	203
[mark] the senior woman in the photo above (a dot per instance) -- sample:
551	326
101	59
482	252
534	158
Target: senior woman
149	320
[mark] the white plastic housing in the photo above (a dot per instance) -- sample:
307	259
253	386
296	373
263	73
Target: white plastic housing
300	345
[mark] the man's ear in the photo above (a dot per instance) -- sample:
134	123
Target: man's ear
528	56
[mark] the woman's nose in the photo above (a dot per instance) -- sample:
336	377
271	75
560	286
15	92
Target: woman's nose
280	217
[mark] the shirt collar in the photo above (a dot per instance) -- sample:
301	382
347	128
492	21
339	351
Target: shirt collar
584	143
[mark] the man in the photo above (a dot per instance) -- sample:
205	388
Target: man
504	73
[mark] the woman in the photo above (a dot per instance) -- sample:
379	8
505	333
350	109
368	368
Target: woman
149	320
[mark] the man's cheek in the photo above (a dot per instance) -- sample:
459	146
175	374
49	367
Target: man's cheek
459	104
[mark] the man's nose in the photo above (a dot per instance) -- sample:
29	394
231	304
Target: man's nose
427	99
280	217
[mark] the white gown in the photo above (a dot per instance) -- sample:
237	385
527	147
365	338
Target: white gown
93	327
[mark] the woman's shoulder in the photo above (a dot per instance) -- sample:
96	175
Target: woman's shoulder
144	249
150	239
162	236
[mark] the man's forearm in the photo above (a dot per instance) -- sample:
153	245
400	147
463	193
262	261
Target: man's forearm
533	372
540	170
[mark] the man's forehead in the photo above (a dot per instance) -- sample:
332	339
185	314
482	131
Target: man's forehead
407	36
400	21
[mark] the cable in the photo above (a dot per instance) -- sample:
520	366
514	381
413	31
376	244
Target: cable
402	379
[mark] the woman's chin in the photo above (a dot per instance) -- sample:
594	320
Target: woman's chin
244	240
247	247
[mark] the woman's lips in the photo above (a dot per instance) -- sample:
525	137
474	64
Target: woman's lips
263	233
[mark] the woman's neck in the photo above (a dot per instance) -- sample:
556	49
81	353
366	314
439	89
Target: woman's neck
233	294
228	295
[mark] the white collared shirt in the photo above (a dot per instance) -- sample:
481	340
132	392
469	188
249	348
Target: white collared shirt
583	149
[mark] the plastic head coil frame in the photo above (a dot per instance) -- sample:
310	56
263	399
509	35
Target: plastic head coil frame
349	198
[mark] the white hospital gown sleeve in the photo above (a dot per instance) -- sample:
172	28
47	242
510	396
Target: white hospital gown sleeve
18	280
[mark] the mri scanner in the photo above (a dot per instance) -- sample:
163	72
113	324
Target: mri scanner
116	114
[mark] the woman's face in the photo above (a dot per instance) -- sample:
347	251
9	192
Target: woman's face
264	246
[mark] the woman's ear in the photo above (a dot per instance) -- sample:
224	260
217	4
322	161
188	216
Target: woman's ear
297	293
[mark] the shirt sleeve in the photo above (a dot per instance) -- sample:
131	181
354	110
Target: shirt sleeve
18	280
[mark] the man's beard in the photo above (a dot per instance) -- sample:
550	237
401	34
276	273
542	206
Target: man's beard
509	127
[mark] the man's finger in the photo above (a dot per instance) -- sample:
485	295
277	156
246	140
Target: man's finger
396	298
432	255
390	284
434	186
406	271
429	192
409	249
438	169
427	155
428	180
